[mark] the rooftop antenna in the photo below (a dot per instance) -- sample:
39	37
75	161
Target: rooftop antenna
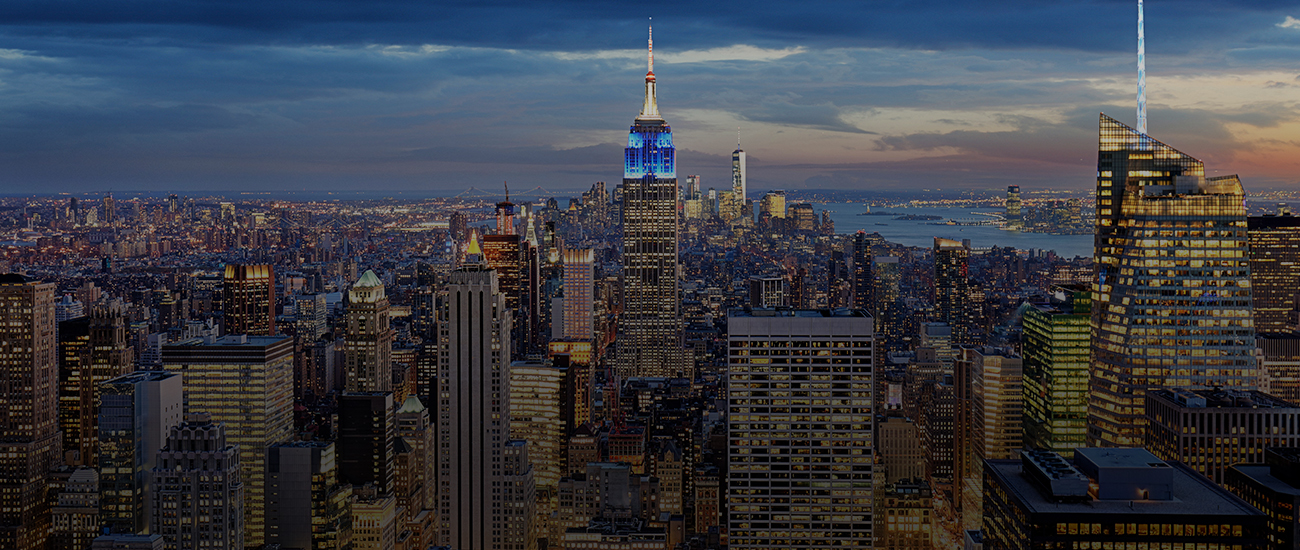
737	138
1142	75
507	184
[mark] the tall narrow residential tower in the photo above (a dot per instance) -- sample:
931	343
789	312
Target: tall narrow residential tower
1171	299
649	339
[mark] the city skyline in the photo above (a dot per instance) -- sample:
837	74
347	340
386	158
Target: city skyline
409	99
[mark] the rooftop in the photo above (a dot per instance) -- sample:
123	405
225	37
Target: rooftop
791	312
1221	399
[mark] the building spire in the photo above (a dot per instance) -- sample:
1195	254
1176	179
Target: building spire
1142	75
650	109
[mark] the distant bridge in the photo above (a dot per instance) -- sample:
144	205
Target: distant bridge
539	192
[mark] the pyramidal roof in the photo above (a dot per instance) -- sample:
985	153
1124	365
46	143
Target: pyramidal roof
411	405
368	279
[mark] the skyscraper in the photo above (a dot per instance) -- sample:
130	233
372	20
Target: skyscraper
198	494
29	436
136	414
306	506
650	335
369	340
1056	352
367	433
310	317
863	280
888	311
248	299
1014	217
245	383
790	371
579	290
1274	269
92	349
1171	299
952	287
473	403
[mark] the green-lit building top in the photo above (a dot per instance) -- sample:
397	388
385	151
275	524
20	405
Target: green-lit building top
1056	348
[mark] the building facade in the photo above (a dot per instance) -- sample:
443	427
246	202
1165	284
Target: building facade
306	506
197	488
952	303
368	346
1056	354
248	299
1171	298
1211	430
136	414
791	371
1274	270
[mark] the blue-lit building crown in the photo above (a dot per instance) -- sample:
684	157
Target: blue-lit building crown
650	152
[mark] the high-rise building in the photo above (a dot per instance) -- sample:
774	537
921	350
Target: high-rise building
368	346
1056	348
245	383
1273	486
306	505
952	303
541	413
248	299
988	421
518	514
1014	217
900	457
739	185
473	404
805	219
374	519
1172	299
367	434
790	371
75	517
766	291
29	430
579	290
1280	371
68	308
1110	499
136	414
416	480
649	332
1274	269
92	349
772	206
1210	430
904	516
198	493
888	311
863	280
310	315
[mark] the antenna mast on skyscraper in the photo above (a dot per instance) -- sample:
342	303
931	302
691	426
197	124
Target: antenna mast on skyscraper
1142	75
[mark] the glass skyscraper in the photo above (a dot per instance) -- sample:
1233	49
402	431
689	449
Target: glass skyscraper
1056	354
1171	299
649	339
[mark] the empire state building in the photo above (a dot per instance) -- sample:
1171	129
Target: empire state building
649	339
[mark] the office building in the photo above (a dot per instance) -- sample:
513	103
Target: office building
864	281
374	519
1273	487
789	371
766	292
1056	347
889	314
1274	269
900	457
473	404
366	438
579	292
246	384
136	414
92	349
29	431
68	308
1210	430
1171	252
1014	217
988	423
310	317
1110	499
771	208
306	505
197	489
905	516
416	472
649	331
248	299
368	345
541	413
1280	371
518	495
952	292
75	516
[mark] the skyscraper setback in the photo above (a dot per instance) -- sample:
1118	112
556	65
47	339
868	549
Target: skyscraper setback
1171	298
649	339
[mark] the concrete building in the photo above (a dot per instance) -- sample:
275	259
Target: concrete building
1274	269
374	519
306	506
1110	499
29	431
246	384
766	292
579	289
368	344
1211	430
136	414
75	517
904	516
310	317
198	493
900	456
783	367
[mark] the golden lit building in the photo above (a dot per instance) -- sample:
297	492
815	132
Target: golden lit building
248	299
538	398
1172	297
29	432
800	429
245	383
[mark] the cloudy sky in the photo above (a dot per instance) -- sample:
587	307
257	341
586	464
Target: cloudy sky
436	97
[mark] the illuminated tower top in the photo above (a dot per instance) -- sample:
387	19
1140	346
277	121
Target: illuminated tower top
650	109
